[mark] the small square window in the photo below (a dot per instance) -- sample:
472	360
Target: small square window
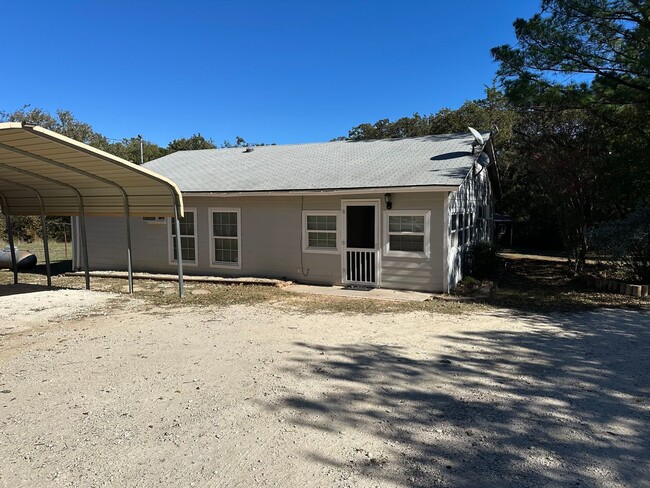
320	232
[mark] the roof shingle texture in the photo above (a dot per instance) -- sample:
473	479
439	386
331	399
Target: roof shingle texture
438	160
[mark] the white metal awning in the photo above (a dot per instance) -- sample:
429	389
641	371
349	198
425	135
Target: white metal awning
45	173
64	171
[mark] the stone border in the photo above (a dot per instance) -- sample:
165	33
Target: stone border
616	286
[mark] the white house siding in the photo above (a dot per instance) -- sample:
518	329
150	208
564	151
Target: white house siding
271	241
476	190
397	272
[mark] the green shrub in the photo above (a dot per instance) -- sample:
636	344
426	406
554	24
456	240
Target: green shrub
483	260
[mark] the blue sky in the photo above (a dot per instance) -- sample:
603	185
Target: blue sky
269	71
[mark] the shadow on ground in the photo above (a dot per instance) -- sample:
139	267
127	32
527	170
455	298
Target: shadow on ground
38	273
565	402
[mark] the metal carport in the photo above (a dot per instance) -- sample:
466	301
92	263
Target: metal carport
44	173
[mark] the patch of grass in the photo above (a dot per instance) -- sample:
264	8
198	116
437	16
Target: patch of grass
164	295
543	284
225	295
529	283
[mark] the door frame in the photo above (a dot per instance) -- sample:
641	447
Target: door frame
361	202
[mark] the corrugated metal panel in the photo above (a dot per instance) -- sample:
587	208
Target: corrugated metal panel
57	167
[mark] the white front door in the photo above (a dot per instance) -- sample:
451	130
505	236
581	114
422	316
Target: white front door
360	256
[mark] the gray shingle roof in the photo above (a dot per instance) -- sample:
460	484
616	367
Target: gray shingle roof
439	160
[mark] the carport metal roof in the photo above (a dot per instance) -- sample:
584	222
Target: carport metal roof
59	167
45	173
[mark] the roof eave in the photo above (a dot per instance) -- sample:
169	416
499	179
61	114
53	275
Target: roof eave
337	191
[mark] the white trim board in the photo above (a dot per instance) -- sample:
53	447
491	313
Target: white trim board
342	191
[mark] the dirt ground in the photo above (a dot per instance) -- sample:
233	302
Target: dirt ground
101	390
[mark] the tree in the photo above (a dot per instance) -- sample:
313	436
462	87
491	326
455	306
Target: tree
606	45
241	142
562	154
605	40
63	122
579	78
197	141
485	114
129	149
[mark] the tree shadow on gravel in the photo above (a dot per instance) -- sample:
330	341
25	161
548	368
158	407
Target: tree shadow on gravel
565	403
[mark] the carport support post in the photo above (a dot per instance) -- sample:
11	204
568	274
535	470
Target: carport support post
46	247
12	248
129	255
179	253
84	244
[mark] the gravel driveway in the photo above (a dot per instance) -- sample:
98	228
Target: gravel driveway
102	392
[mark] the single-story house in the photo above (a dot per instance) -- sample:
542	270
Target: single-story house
393	213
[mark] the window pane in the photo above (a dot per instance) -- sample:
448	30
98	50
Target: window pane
410	243
418	224
454	222
330	222
224	224
406	223
187	249
186	224
322	239
226	250
321	222
393	224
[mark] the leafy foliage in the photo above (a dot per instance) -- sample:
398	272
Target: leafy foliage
605	39
579	78
62	122
197	141
483	114
241	142
626	243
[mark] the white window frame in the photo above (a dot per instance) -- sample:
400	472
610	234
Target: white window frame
426	254
220	264
170	238
305	233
